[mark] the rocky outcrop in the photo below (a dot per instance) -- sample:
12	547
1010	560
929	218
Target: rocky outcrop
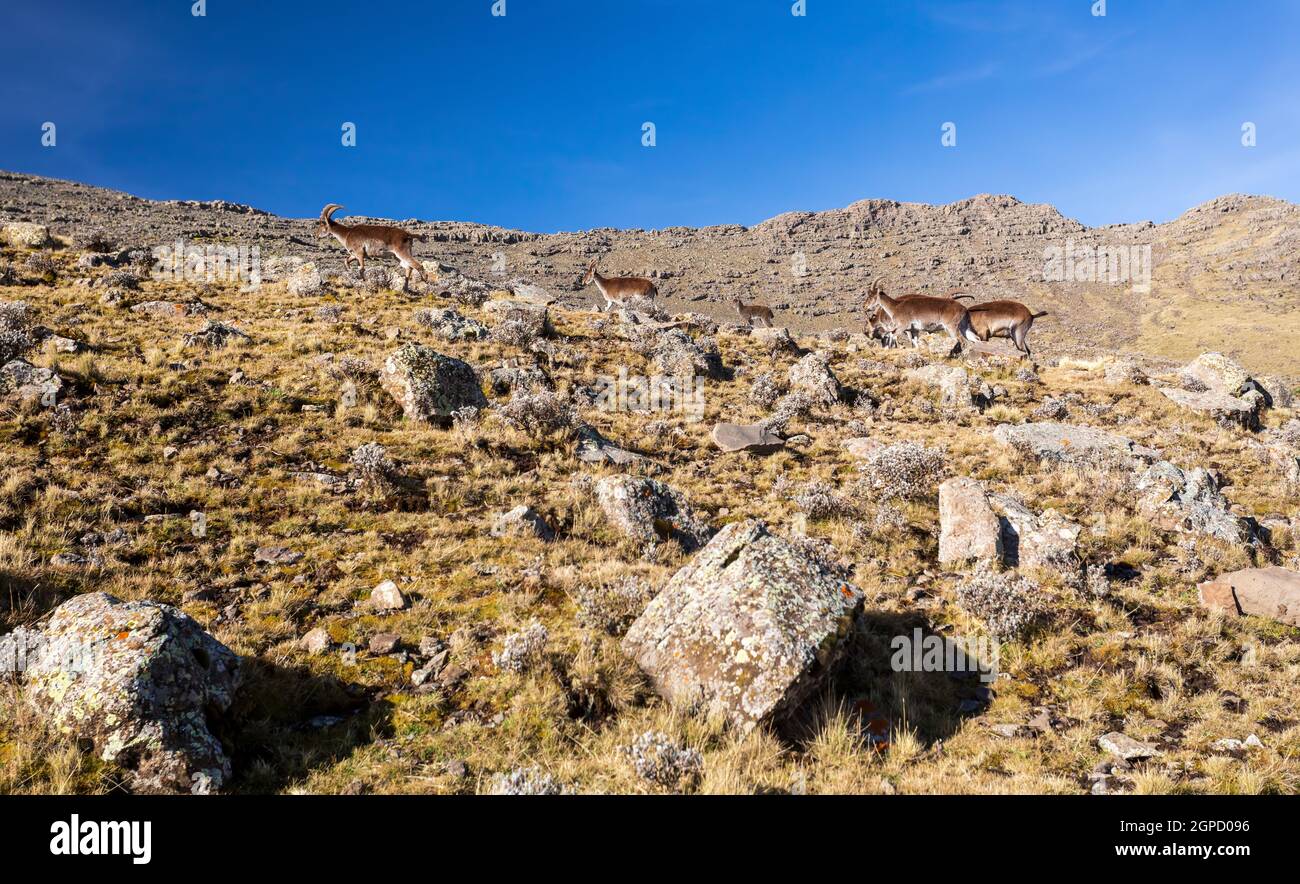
1229	411
754	438
428	386
953	383
748	630
143	683
1191	501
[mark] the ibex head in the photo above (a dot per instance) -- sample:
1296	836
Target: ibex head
590	275
323	226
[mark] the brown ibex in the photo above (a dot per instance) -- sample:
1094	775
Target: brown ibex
618	289
1004	319
885	333
364	240
750	312
921	313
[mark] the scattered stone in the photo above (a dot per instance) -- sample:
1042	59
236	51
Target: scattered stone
1069	444
428	386
30	383
1126	748
316	642
968	527
748	629
644	509
1190	501
952	382
775	339
812	376
384	643
523	650
386	597
594	448
1271	592
520	522
755	438
1125	371
533	317
1047	541
149	684
276	555
1225	409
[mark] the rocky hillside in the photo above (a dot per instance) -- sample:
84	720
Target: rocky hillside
1224	277
322	535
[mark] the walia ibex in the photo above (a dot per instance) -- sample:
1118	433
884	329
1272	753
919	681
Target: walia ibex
885	332
1004	319
750	312
922	313
618	289
364	240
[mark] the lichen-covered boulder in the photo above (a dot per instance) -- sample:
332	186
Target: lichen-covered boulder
25	235
141	681
428	385
813	375
645	509
21	380
1190	500
1049	540
748	630
1225	409
534	317
953	383
1218	373
1068	444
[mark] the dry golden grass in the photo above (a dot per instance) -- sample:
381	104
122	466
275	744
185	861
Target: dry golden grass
1146	660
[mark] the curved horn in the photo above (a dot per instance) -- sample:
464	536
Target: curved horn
876	285
329	210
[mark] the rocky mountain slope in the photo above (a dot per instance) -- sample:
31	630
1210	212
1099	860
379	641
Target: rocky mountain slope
323	535
1225	276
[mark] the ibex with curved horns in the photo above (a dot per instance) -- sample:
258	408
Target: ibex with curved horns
363	240
914	314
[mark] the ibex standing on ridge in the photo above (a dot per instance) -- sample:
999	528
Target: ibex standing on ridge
921	313
750	312
363	240
618	289
1004	319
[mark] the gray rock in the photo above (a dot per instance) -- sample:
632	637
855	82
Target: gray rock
642	508
30	383
522	521
812	375
429	386
316	642
142	682
968	528
1190	500
1225	409
276	555
1068	444
386	597
1126	748
534	317
748	630
1217	373
953	383
1263	592
594	448
755	438
1049	541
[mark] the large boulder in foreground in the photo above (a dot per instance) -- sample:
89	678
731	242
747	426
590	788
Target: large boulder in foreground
430	387
748	630
1264	592
1073	445
140	680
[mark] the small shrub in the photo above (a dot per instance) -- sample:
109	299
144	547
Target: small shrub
659	759
904	470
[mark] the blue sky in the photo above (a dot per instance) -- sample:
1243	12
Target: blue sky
534	120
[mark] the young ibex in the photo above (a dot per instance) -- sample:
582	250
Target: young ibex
618	289
750	312
1004	319
921	313
363	240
